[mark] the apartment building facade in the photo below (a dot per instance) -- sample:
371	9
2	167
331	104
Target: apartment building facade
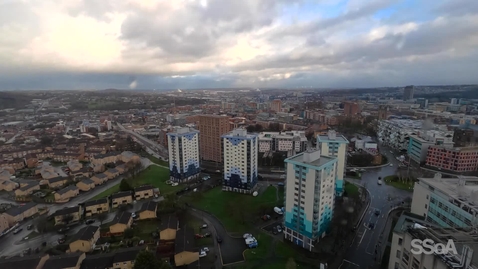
292	142
395	132
240	161
309	197
420	142
183	148
211	128
335	145
446	202
403	254
459	160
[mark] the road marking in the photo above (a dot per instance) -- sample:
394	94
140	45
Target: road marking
363	235
354	264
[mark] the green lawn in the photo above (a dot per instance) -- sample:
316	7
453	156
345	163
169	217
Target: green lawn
32	235
154	175
154	159
396	183
280	192
235	210
107	192
144	228
255	255
351	189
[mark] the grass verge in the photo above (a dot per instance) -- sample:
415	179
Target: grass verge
153	175
351	189
396	183
236	211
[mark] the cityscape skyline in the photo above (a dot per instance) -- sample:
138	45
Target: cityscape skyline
331	44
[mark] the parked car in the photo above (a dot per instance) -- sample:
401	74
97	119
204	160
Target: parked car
62	240
17	230
274	230
205	249
174	184
27	251
89	221
207	235
202	254
247	236
29	227
63	230
379	182
279	229
204	226
198	236
266	217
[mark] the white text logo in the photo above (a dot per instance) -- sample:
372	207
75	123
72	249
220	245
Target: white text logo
427	246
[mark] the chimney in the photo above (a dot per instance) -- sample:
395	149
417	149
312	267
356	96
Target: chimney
437	176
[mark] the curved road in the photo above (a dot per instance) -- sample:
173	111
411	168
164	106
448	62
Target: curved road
361	253
231	248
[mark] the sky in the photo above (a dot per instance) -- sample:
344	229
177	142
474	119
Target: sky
148	44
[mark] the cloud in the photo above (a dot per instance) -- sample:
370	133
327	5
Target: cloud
250	43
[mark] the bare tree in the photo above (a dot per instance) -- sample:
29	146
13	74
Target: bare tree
101	217
41	225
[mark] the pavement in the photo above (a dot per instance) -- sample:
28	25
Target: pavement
361	253
231	249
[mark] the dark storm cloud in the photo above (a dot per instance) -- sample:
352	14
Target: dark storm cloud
429	38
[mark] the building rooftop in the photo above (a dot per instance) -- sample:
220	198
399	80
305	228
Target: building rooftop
122	218
461	237
311	157
87	181
15	211
120	194
239	133
462	190
332	136
178	131
67	189
63	261
144	188
86	233
67	211
27	262
128	254
168	222
148	206
96	202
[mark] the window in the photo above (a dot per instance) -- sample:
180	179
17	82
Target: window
426	206
398	254
400	241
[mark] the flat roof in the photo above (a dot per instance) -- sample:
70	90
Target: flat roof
463	188
322	160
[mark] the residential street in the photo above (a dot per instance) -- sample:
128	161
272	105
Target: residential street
361	253
10	244
231	248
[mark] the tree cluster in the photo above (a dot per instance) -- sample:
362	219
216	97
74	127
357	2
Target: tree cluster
360	160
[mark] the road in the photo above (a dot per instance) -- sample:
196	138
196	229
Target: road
11	243
231	248
152	147
11	140
361	253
